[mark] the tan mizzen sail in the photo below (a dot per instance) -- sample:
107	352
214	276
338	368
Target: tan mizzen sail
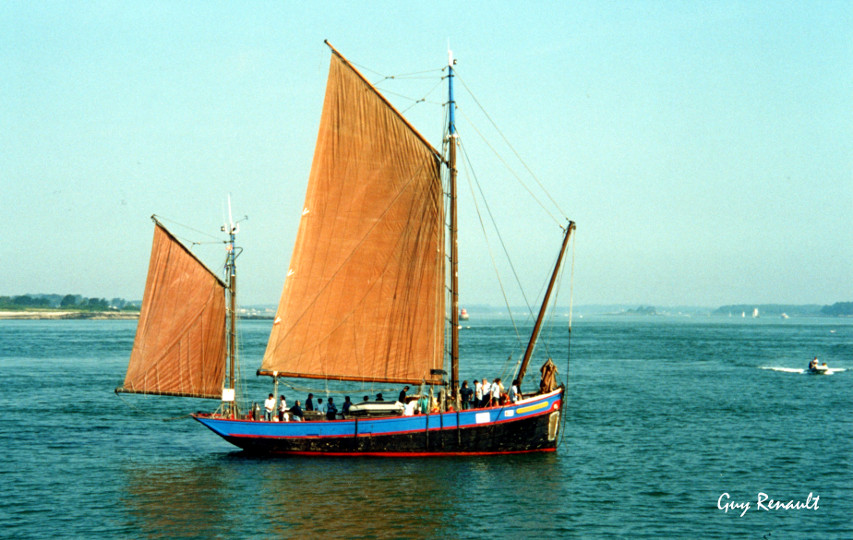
364	295
180	339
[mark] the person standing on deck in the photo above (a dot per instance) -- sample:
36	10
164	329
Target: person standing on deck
331	409
497	390
347	405
282	409
423	404
478	394
465	393
514	394
309	403
296	412
269	407
487	393
402	398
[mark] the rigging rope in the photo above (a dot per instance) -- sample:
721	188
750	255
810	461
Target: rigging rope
569	344
426	74
494	125
307	389
191	242
503	247
473	175
511	171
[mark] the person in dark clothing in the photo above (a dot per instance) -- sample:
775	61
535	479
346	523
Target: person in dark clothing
347	405
402	398
379	397
331	409
466	394
309	403
296	412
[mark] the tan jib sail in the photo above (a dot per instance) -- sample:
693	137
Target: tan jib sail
180	340
364	295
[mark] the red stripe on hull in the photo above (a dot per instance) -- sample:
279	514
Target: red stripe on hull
412	454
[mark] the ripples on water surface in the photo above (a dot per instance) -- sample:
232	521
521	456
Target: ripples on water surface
665	416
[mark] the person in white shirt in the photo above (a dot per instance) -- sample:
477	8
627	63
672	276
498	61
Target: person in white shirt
269	407
487	393
410	408
283	415
497	390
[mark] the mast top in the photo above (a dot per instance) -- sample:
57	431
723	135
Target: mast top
230	227
451	102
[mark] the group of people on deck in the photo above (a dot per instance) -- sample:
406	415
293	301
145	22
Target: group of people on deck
483	394
486	394
297	412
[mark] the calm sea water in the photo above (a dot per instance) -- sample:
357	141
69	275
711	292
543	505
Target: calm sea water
664	417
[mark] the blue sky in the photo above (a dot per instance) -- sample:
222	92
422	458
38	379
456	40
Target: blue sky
705	150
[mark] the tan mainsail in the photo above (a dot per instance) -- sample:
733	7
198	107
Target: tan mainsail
180	340
364	295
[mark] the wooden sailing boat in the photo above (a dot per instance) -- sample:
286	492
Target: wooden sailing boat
364	300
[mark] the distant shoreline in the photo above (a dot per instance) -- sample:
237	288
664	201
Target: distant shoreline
58	314
25	315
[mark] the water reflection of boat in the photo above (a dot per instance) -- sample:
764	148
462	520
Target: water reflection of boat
283	498
364	300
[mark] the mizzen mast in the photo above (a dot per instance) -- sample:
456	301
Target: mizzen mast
228	392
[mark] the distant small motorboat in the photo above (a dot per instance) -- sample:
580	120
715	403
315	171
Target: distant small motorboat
821	369
785	316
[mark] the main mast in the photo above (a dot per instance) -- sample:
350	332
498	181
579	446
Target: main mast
454	253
